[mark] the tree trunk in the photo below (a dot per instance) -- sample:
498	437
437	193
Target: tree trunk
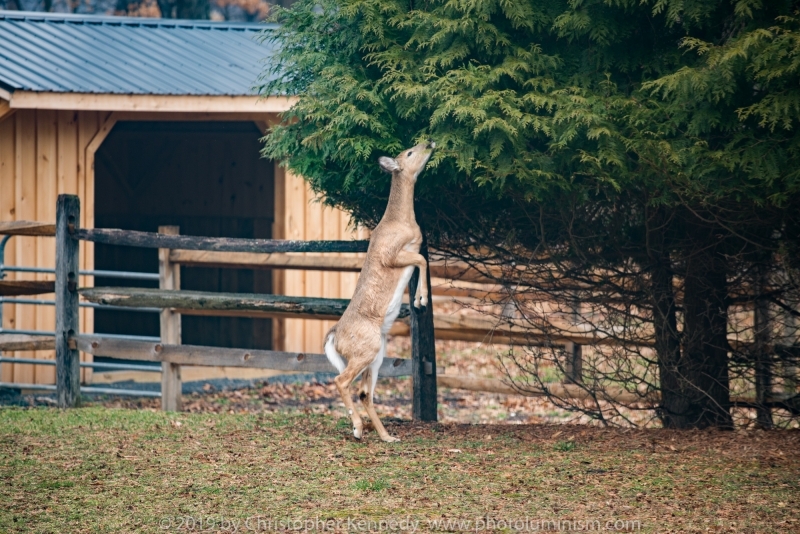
668	348
665	322
694	382
701	373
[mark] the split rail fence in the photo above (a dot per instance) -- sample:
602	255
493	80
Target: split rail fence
171	302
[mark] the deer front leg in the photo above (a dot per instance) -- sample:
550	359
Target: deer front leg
405	258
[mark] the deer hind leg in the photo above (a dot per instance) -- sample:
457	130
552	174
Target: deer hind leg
368	381
356	363
343	382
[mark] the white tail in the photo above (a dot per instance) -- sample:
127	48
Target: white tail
358	341
330	351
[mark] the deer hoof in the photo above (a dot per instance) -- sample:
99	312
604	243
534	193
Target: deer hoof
390	439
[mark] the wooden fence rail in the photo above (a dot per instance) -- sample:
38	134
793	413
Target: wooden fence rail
220	357
236	253
454	327
15	342
250	260
130	238
450	327
318	363
34	228
236	304
16	288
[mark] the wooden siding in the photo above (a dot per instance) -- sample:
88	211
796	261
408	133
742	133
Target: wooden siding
306	218
42	154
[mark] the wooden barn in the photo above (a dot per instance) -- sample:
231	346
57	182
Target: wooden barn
151	122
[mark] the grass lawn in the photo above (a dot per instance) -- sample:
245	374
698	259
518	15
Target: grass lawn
112	470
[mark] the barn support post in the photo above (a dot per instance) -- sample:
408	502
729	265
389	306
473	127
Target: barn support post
68	216
423	349
169	277
3	242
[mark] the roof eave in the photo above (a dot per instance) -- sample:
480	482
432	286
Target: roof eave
113	20
148	102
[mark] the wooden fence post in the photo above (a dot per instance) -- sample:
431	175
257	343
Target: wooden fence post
763	366
423	350
68	384
573	368
169	277
789	367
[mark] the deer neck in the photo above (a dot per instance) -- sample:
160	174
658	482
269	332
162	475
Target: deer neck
401	200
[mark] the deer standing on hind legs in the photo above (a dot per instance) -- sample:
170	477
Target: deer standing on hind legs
357	343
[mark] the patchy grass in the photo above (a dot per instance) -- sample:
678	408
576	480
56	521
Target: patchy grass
111	470
564	446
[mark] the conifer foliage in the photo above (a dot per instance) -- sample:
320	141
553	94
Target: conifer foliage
634	161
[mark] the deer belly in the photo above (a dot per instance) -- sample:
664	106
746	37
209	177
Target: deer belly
397	300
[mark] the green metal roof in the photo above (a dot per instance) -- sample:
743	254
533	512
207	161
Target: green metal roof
124	55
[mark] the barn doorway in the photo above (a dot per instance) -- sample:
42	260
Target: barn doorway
207	178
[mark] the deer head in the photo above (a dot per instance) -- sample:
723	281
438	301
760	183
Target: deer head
409	163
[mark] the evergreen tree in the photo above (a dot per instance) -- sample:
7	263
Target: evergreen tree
640	156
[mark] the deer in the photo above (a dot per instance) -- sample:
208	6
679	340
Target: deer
357	342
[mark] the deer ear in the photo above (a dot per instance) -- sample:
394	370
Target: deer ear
388	164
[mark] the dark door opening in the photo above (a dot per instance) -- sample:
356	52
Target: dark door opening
207	178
